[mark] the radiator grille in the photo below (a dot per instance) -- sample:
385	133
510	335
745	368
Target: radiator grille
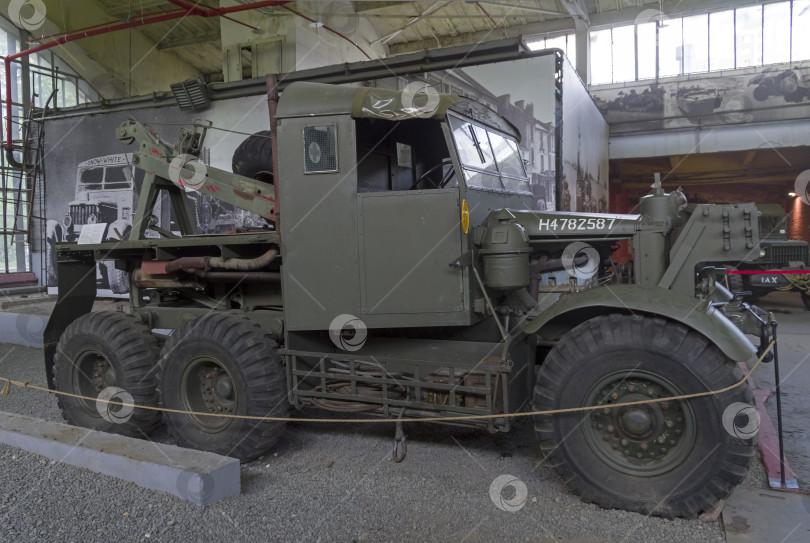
86	213
782	254
80	212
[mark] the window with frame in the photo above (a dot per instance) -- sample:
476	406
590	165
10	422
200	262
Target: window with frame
754	35
47	77
489	159
566	42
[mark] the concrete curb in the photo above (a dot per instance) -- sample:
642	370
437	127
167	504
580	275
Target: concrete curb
196	476
21	329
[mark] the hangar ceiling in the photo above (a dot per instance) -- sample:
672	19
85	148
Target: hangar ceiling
397	27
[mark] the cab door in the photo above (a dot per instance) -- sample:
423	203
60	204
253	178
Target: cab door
407	239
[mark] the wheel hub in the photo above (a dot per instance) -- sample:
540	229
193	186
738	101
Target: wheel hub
224	387
636	421
207	387
92	373
648	438
216	388
108	377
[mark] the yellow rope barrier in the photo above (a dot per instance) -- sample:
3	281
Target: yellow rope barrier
745	378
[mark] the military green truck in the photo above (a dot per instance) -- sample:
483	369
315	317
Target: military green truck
783	264
403	274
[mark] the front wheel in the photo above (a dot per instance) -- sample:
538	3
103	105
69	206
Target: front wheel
222	364
673	458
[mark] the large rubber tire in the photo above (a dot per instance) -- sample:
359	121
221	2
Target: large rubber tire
736	108
223	363
254	157
118	279
761	93
127	352
596	452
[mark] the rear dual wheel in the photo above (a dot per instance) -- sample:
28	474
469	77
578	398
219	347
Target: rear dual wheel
221	364
111	356
671	458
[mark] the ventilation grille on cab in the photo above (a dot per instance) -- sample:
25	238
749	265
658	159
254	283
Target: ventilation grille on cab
320	149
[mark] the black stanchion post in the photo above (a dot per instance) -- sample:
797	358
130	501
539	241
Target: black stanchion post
778	405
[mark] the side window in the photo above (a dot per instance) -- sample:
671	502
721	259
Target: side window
320	149
510	164
490	160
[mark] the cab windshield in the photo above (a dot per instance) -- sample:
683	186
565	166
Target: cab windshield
109	177
489	159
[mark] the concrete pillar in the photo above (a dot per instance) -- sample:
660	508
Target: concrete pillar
288	42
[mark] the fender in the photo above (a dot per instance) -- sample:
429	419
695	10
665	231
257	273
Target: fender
654	301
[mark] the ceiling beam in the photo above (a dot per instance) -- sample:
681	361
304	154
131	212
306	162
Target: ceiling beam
577	9
373	6
555	25
524	8
166	45
431	9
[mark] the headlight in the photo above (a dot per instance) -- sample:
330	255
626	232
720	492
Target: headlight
92	219
67	221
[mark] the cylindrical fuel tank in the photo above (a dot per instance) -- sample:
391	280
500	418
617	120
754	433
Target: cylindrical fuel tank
505	249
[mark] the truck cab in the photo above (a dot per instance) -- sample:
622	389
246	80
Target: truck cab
384	187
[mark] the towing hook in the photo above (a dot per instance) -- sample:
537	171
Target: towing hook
738	296
400	441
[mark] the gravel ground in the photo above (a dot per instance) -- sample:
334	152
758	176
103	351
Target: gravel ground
323	482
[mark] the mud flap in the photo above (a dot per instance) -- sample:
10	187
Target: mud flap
77	292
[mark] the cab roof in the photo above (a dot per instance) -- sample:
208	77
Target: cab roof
302	99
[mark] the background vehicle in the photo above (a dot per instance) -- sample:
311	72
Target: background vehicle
775	81
104	195
785	257
419	290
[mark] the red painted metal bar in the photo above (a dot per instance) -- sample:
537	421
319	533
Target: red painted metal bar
99	30
108	23
67	39
210	12
767	272
491	19
327	28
